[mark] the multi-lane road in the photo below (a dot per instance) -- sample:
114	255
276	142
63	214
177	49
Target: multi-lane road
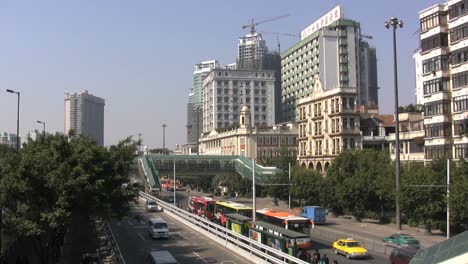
190	247
186	245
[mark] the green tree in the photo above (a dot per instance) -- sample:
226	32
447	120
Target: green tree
305	186
359	182
423	204
53	180
459	196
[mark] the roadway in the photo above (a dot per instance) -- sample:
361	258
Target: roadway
323	246
186	245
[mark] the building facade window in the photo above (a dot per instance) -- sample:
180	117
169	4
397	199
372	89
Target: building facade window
458	9
440	107
438	130
459	56
460	126
461	151
458	33
435	64
436	41
433	20
438	151
460	103
436	85
460	79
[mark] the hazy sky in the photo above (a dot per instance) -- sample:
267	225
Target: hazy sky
139	54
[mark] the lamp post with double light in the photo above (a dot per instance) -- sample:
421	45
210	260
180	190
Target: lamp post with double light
394	23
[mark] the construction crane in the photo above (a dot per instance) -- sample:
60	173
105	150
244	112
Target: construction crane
253	24
277	34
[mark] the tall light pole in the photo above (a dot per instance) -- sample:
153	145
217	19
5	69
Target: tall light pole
43	127
164	136
17	119
395	23
198	130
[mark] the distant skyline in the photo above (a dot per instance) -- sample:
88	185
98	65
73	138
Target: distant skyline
139	55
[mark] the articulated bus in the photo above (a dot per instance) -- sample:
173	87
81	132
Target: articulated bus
202	206
222	208
279	238
285	220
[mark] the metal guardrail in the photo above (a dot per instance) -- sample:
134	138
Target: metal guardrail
115	249
247	245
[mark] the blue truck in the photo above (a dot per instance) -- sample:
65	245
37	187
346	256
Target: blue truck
317	214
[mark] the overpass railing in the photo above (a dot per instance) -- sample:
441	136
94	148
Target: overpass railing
230	239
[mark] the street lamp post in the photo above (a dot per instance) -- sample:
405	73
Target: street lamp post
198	130
17	119
43	127
395	23
164	136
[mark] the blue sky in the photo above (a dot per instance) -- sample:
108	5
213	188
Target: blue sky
139	54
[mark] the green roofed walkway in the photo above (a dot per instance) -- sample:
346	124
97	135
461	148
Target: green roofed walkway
454	250
156	165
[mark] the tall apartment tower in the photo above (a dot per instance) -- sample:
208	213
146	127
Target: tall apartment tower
332	52
84	113
251	52
194	106
444	56
368	93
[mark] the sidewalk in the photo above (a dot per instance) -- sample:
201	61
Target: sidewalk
367	228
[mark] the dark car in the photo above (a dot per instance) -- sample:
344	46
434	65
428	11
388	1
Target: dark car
402	255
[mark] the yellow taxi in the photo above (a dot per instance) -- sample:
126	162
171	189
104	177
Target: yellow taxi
350	248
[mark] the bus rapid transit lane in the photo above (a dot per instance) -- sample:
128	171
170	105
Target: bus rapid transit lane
186	245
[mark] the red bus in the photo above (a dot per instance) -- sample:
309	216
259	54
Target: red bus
202	206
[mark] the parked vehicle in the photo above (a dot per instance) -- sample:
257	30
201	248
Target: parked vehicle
402	240
318	214
152	206
158	228
160	257
402	255
202	206
350	248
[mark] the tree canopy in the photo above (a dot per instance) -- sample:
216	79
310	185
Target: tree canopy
53	179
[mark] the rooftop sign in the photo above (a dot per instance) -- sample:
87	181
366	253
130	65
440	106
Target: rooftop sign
330	17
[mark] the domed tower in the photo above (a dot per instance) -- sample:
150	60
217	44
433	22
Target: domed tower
245	117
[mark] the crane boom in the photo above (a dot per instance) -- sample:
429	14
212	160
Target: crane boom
253	24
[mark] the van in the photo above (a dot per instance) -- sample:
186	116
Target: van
160	257
158	228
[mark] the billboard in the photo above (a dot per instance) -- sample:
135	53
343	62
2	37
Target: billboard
330	17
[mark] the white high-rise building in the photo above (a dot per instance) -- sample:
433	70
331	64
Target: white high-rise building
444	78
226	91
251	51
84	113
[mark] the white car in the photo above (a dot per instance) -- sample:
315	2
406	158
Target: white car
152	206
158	228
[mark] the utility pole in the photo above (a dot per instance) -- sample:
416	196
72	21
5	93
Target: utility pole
164	136
289	185
395	23
448	201
253	191
174	185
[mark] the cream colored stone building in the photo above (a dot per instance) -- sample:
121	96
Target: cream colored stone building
328	123
248	141
411	138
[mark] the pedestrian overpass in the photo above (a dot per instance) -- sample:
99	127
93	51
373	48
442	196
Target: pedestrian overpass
154	166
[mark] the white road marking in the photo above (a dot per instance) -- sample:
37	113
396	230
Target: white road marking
144	239
200	257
